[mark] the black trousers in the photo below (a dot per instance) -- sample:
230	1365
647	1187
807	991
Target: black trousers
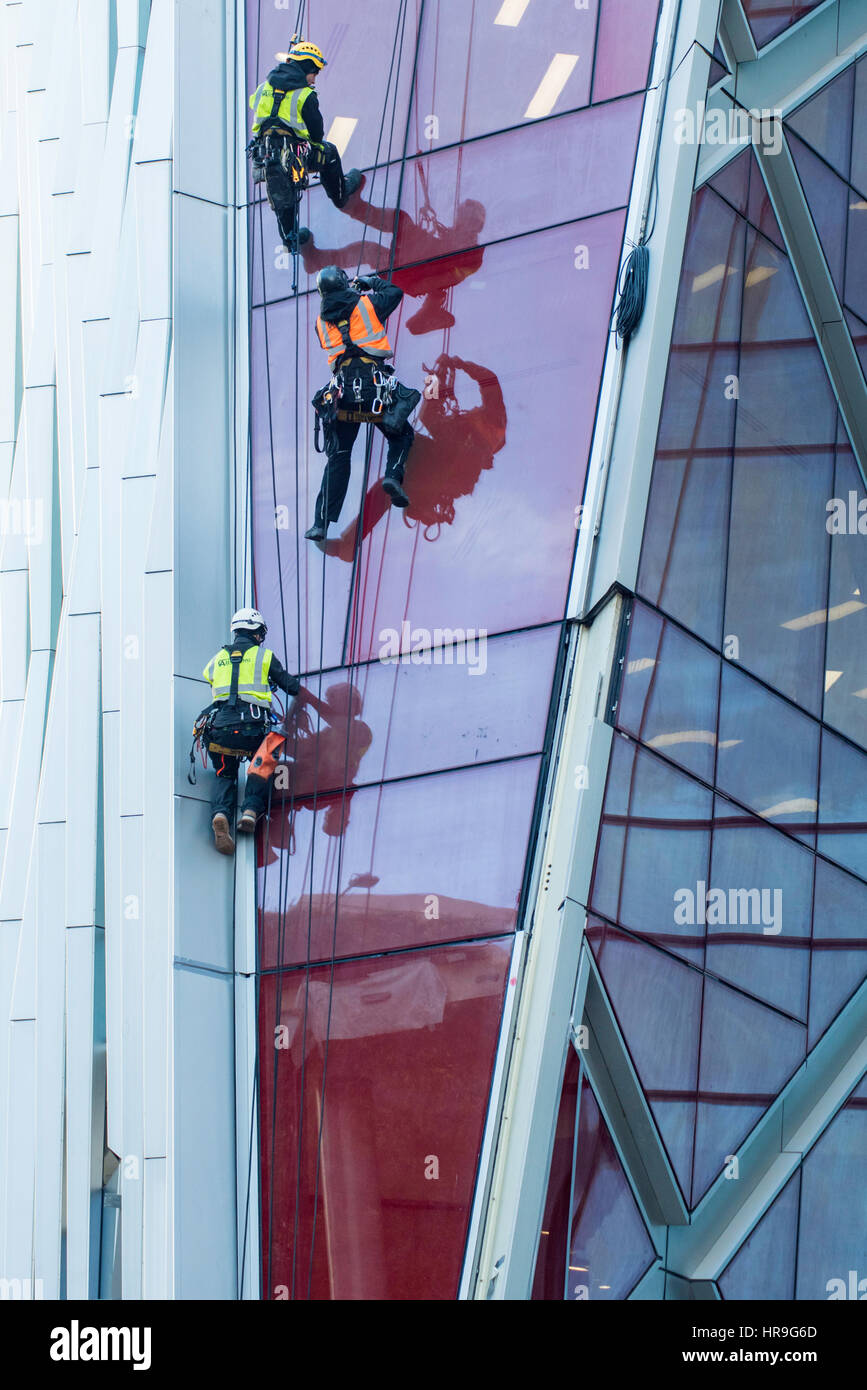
339	439
226	767
283	193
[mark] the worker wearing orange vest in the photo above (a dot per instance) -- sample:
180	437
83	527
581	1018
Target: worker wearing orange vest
363	387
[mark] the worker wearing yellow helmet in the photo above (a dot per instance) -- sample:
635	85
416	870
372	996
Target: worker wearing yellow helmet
286	110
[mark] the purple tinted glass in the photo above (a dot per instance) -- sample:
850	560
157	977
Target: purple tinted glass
758	933
843	804
748	1052
657	1000
623	48
845	705
654	842
768	755
764	1267
455	202
768	18
488	537
409	863
839	955
825	121
668	697
833	1233
609	1248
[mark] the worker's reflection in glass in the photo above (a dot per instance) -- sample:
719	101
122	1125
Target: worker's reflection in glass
452	449
437	256
326	760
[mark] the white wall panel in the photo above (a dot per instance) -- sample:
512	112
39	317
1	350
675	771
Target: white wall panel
46	896
94	23
153	131
9	346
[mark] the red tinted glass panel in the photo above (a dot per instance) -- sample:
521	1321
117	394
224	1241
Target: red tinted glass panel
623	49
373	1156
406	864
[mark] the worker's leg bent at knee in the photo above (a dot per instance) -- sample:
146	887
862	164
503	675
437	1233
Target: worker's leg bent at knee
324	158
223	804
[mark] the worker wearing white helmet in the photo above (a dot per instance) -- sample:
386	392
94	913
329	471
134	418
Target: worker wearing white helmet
242	675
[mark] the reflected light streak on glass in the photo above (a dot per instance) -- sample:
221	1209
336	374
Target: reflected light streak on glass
552	84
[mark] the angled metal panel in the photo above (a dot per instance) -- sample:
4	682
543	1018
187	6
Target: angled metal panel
153	127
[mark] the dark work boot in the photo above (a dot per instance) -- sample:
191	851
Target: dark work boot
395	492
353	181
296	242
318	531
247	821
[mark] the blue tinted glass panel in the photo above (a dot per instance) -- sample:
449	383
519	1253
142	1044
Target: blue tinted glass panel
764	1267
833	1232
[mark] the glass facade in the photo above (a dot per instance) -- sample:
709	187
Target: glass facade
730	880
390	877
769	18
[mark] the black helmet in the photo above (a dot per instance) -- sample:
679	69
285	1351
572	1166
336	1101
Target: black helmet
331	278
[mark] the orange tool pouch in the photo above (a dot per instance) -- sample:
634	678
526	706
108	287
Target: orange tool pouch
264	760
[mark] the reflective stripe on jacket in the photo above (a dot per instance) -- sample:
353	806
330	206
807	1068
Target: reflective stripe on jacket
289	113
252	676
365	331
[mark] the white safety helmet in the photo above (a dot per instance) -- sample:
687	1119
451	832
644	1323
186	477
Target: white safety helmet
249	620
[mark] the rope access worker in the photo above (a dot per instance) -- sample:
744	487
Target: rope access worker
363	388
288	128
242	675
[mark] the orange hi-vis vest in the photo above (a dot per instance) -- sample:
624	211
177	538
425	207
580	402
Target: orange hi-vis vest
365	332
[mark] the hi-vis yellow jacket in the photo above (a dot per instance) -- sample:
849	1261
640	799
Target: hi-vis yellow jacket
268	103
252	675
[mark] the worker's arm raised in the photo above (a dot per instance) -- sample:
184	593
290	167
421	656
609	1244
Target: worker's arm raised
279	676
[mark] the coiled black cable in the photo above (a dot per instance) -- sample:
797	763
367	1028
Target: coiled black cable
633	292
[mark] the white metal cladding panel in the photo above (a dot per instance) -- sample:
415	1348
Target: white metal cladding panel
10	725
9	932
117	373
147	406
203	926
114	415
153	127
90	146
13	635
200	162
158	824
130	927
82	763
39	497
8	317
152	188
136	496
131	17
85	1110
83	563
160	557
114	172
16	1226
204	1142
8	161
156	1255
46	923
24	774
203	428
94	23
114	1018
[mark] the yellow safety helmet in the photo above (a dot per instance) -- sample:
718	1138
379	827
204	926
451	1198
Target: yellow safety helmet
307	51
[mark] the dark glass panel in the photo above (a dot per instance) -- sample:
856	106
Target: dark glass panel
767	756
653	850
488	538
760	937
381	1146
609	1248
839	955
858	168
825	121
748	1053
768	18
843	804
859	338
657	1000
409	863
845	703
668	697
733	182
832	1235
550	1279
623	48
855	290
764	1267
